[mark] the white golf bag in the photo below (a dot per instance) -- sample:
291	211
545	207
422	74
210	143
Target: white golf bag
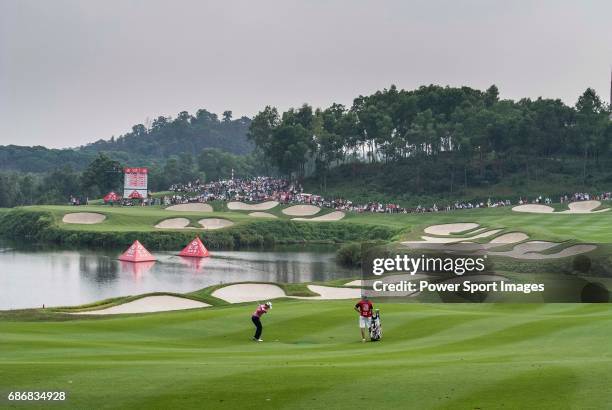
375	327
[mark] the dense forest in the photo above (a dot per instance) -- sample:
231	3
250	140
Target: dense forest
184	134
430	142
175	150
104	174
436	140
143	145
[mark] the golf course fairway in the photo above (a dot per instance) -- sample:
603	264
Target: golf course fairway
544	356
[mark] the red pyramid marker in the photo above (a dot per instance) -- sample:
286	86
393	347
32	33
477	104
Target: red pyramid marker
137	253
195	249
135	195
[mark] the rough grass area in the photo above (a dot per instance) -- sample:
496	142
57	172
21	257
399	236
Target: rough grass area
432	356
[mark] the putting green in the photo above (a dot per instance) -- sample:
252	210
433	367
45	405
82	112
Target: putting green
432	356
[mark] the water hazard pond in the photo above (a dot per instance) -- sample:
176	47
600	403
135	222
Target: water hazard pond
33	277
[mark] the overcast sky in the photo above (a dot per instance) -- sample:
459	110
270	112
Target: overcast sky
72	72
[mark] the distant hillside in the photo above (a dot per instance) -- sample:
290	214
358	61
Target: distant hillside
143	145
41	159
441	141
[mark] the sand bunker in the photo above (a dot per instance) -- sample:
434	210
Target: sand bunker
251	292
83	218
301	210
512	237
196	207
536	209
332	216
215	223
262	215
527	250
571	251
581	207
450	247
173	223
456	240
241	206
357	282
238	293
448	229
248	292
464	244
330	292
532	250
584	207
149	304
475	231
534	246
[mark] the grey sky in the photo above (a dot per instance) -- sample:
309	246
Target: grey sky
72	72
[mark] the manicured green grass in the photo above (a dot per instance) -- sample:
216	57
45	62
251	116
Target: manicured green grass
132	219
432	356
557	227
138	219
125	224
549	356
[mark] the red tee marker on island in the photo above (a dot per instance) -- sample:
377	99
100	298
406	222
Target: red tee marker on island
195	249
137	253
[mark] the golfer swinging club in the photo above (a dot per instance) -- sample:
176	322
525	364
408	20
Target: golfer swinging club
364	308
256	318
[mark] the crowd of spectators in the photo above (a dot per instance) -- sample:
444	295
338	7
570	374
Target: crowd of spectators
583	196
261	189
76	200
247	190
578	196
286	192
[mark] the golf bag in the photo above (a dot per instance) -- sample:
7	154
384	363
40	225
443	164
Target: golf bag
375	327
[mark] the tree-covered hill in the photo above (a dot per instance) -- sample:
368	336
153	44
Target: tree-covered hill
429	144
41	159
142	146
441	141
184	134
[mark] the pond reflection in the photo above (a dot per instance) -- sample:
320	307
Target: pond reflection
31	278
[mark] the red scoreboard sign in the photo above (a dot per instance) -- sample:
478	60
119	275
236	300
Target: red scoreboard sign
135	182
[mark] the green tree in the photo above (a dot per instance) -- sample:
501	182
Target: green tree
262	128
591	123
101	176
